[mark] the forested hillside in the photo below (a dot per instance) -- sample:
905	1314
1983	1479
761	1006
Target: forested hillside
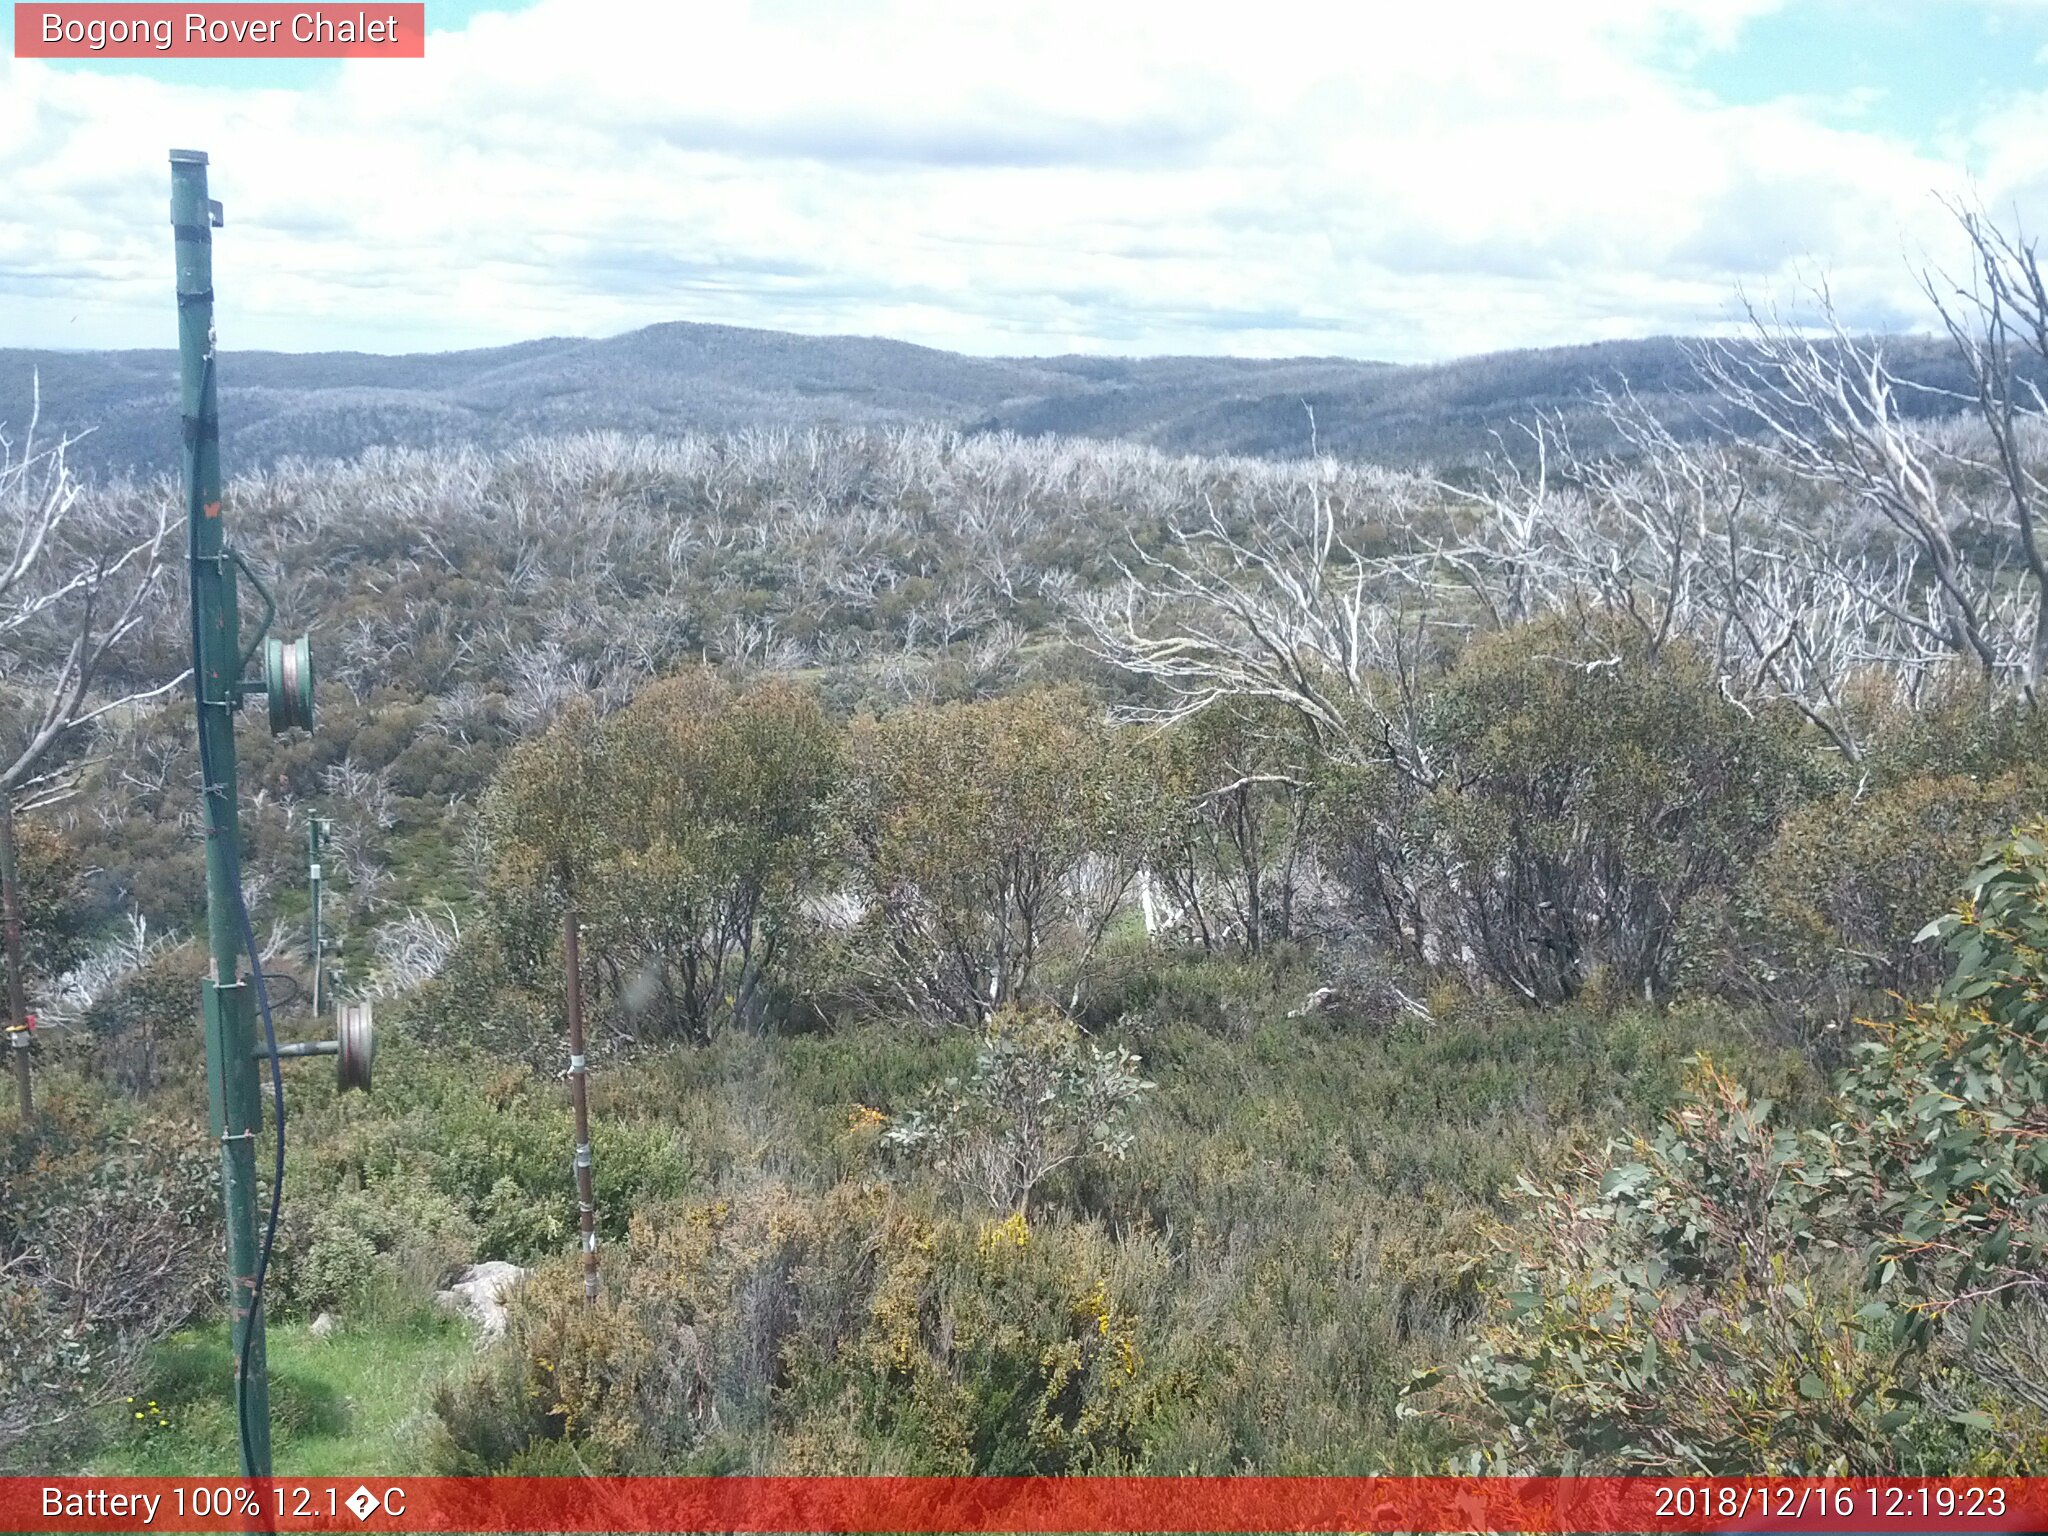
682	378
1099	959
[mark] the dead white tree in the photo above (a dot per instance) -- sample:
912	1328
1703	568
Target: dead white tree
75	581
1827	410
412	950
1632	532
1999	324
1284	608
1681	540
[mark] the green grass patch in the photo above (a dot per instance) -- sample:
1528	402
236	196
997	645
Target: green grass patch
353	1403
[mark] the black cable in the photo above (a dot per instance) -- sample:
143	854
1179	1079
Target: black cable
277	1167
296	995
209	787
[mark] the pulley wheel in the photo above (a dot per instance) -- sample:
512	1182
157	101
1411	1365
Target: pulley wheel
358	1042
288	681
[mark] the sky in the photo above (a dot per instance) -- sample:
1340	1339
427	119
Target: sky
1259	178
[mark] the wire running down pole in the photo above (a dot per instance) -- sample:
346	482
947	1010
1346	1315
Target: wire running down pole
579	1093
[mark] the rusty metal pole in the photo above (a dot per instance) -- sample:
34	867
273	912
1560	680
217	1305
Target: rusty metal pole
17	1004
579	1092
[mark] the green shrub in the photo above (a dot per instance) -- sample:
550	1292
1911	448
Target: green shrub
1582	791
1727	1297
860	1331
1286	1234
489	1001
1824	925
1590	791
451	1156
1039	1098
684	828
136	1026
398	1234
1144	989
1678	1312
108	1239
984	838
1238	791
50	887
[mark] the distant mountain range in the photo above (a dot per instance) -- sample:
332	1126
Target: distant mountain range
682	377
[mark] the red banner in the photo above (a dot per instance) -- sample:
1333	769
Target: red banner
102	31
1007	1504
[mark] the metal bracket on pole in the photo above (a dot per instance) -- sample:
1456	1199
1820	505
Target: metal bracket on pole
269	613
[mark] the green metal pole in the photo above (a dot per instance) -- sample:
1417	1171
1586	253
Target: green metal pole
216	660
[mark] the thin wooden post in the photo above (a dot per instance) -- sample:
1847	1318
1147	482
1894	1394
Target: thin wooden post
579	1092
17	1004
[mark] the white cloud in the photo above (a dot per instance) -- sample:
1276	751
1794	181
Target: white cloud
1387	181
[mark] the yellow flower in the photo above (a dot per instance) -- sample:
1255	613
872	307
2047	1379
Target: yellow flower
1012	1232
1096	1305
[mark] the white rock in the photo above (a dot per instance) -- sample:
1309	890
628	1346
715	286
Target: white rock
1314	1002
479	1293
324	1326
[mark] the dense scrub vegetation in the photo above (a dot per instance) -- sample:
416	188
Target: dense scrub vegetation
1100	961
